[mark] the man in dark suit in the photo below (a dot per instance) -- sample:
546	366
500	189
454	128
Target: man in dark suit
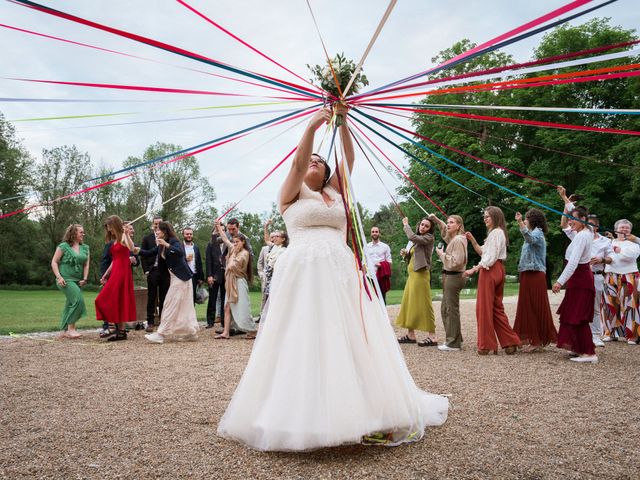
215	279
192	255
157	273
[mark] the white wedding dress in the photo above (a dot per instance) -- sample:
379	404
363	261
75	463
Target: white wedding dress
326	368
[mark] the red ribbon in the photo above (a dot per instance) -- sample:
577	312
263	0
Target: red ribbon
571	77
150	89
512	67
137	38
235	37
533	123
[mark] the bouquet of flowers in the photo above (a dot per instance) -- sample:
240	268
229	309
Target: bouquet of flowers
343	70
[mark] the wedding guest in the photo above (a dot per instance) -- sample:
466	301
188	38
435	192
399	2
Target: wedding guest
238	274
157	275
105	262
269	242
622	280
70	265
492	321
178	318
600	257
379	256
116	304
576	309
194	260
280	244
454	263
215	279
416	309
534	323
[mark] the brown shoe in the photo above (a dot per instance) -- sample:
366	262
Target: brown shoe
149	329
487	352
511	349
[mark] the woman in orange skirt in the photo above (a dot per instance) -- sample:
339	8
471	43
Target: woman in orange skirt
492	321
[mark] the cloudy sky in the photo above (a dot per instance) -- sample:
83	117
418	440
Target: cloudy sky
283	29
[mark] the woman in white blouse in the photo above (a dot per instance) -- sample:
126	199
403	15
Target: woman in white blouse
492	321
576	309
621	296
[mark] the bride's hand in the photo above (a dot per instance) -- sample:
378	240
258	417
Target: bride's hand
341	109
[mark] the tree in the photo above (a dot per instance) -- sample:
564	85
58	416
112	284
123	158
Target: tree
602	167
19	252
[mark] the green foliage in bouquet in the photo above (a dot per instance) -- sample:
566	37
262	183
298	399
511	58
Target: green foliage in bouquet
344	70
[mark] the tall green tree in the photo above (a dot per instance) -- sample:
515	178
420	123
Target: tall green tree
603	167
20	261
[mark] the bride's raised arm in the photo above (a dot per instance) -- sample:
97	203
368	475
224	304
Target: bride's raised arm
347	145
291	186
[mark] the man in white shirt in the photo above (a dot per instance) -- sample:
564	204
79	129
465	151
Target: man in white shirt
192	255
378	252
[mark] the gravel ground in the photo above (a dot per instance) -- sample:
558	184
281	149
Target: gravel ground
88	409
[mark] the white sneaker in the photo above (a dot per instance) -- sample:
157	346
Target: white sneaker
444	348
597	342
631	342
585	359
606	338
154	337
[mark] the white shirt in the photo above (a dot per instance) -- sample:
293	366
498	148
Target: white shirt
601	247
188	249
376	253
578	252
494	248
625	261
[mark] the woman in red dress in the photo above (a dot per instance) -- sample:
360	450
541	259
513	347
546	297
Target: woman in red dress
115	303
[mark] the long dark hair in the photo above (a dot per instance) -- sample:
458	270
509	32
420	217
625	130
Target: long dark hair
498	220
432	226
327	168
167	229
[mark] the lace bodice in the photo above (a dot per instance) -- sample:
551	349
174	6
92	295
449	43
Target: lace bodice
310	217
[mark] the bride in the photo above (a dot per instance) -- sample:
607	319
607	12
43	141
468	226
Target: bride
326	369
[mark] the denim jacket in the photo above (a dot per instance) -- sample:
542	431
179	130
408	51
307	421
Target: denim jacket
534	251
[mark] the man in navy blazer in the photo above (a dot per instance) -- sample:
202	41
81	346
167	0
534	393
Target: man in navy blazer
192	255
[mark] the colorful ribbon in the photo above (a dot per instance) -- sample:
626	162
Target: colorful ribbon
162	46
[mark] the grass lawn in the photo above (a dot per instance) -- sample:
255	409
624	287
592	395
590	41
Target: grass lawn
39	310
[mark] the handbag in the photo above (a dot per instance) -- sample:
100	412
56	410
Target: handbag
202	294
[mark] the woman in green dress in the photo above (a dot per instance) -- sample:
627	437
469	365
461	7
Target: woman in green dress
70	265
416	310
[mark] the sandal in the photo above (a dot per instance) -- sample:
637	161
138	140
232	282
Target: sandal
406	339
428	342
511	349
119	335
221	337
107	333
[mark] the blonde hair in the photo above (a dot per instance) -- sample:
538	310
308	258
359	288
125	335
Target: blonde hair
460	222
